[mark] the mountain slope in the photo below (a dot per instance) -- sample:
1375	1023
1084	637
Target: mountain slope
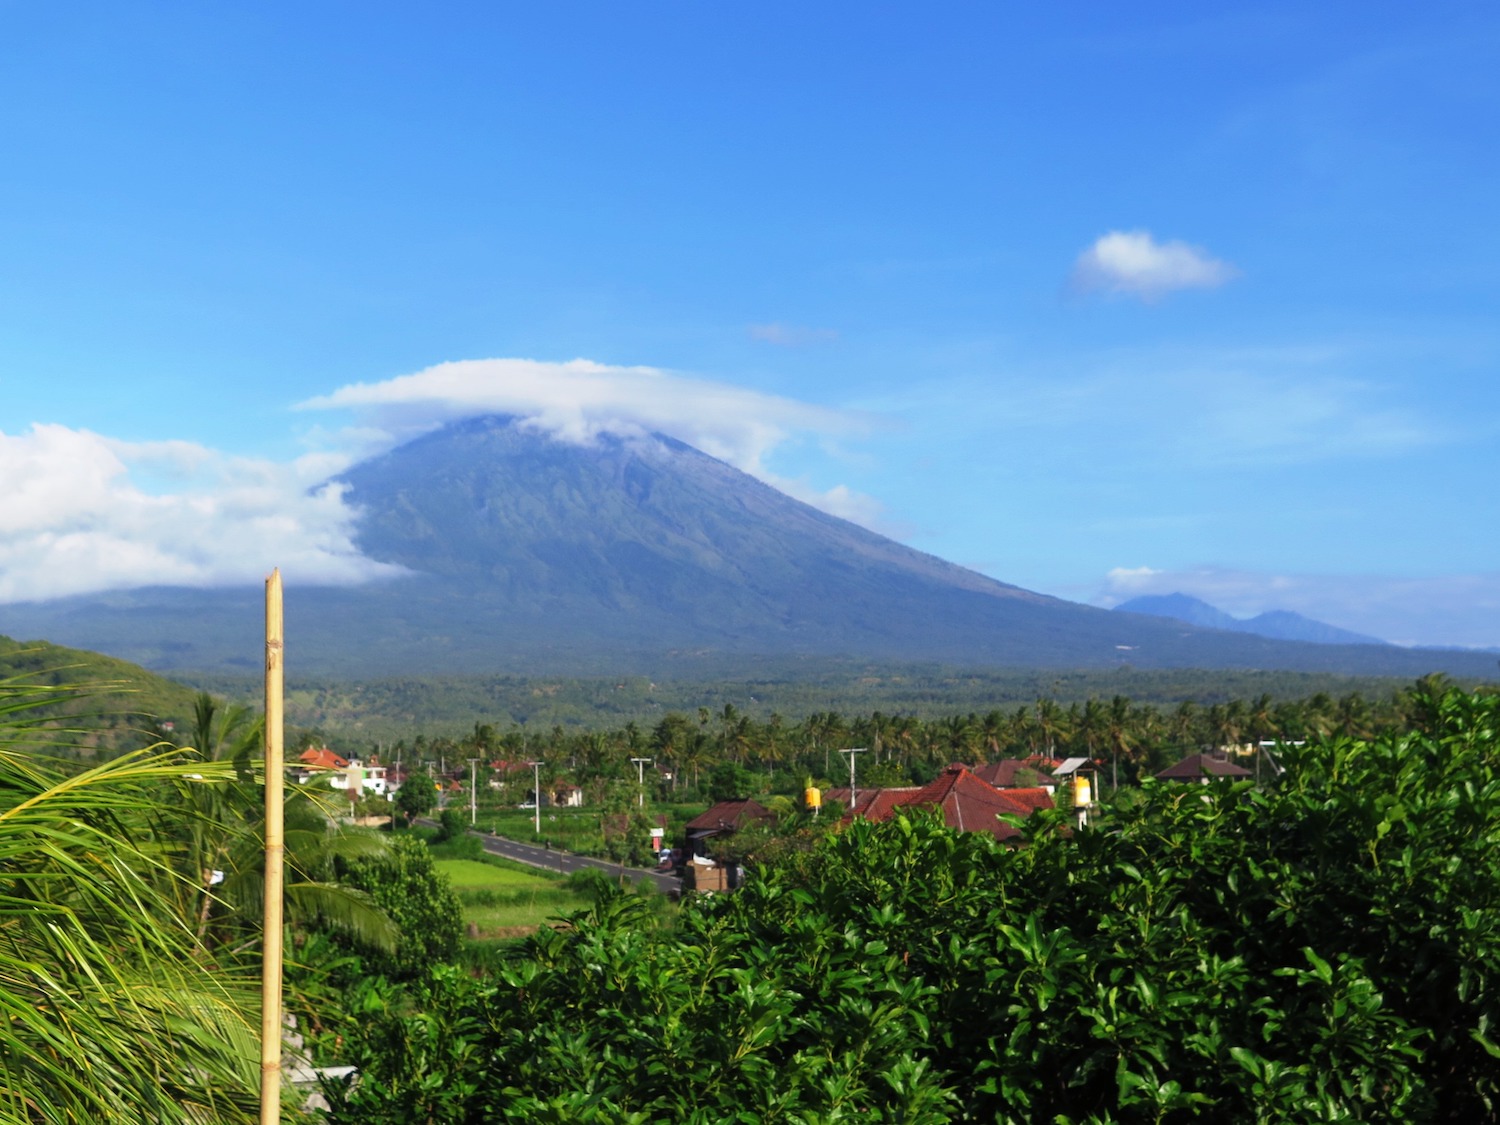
529	555
117	702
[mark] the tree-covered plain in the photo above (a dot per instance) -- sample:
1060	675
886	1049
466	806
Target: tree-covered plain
359	714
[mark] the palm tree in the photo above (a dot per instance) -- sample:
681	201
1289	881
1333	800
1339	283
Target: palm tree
694	754
959	736
1184	722
1093	726
113	1009
992	729
1121	738
1050	723
222	857
1354	719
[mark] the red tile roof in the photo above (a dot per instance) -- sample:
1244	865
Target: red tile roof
968	802
1002	774
727	816
874	804
1195	767
1030	799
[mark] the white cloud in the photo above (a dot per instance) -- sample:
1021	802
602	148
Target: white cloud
83	512
840	500
77	517
1461	609
1134	264
577	400
791	335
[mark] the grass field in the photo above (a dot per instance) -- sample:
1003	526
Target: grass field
578	829
503	900
524	914
466	874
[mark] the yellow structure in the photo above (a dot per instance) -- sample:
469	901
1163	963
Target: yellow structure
1083	792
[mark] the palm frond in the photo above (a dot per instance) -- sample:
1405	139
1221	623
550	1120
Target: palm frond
110	1010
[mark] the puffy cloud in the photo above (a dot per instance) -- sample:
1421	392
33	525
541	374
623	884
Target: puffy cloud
78	519
1460	609
791	335
577	400
1134	264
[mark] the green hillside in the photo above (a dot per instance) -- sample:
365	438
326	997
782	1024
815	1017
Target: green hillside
120	706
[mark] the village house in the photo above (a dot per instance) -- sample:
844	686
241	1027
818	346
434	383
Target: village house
1203	768
966	800
347	774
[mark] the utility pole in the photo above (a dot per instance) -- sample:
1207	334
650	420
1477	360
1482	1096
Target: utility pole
473	793
853	792
640	773
536	773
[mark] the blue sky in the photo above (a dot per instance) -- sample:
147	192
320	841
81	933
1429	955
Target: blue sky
1097	299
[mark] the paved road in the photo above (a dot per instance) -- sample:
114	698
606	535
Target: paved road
567	863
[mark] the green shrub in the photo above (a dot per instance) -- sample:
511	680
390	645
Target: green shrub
1327	949
404	883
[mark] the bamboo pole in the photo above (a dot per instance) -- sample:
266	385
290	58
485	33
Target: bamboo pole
270	981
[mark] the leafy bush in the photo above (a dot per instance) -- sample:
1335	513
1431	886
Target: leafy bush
732	782
416	797
1326	950
453	824
591	881
404	883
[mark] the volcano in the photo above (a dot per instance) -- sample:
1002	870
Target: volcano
527	554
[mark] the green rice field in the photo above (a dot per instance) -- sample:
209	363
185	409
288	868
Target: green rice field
506	901
464	874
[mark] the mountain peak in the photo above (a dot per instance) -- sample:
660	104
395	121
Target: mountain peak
620	520
1276	624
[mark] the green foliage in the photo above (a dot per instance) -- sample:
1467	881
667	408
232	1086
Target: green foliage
416	797
1324	950
732	782
111	1009
453	824
404	883
462	846
355	711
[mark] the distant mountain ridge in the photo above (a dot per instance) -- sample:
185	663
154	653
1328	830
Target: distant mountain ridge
534	556
1277	624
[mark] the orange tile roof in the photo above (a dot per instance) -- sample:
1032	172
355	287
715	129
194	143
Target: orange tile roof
323	759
